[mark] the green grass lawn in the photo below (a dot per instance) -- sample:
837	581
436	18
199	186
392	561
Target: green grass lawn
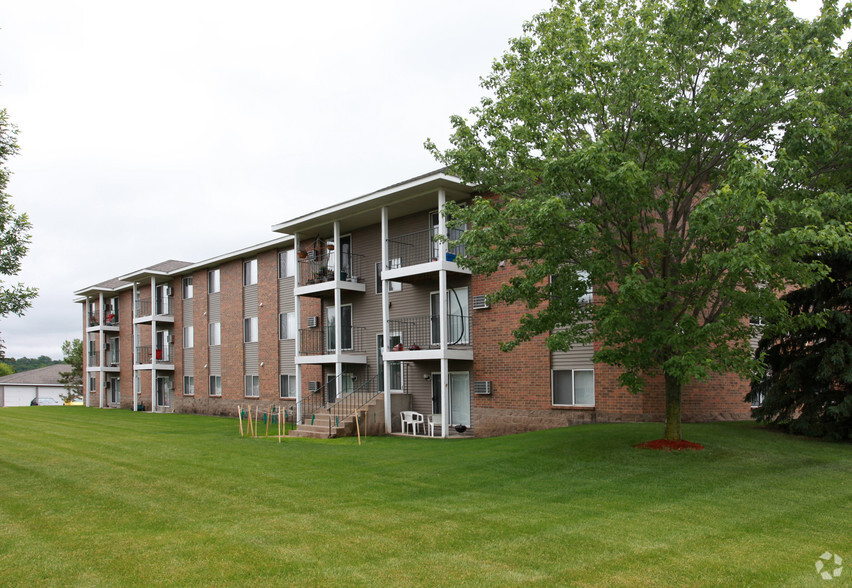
95	497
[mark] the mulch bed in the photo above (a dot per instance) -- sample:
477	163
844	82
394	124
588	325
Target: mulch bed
664	445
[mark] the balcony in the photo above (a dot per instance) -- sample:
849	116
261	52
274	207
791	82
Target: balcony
94	319
420	338
318	345
317	273
164	307
417	253
93	361
162	357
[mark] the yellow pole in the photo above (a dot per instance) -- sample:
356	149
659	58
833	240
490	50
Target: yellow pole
240	417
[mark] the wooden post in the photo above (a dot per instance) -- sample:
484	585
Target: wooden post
357	428
240	417
268	418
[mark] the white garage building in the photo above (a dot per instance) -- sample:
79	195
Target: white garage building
20	389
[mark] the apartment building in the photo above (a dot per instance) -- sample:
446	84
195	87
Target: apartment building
356	308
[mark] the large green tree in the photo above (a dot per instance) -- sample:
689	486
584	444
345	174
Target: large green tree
662	152
808	386
14	231
72	354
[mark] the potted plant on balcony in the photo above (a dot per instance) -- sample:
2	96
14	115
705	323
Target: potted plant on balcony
301	254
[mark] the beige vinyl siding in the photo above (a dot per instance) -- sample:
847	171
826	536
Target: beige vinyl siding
189	362
214	307
188	311
252	362
579	357
286	356
216	360
286	301
250	300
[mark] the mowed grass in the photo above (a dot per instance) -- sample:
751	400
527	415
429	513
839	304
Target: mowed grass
115	498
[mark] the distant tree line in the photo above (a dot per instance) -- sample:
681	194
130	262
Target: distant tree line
26	364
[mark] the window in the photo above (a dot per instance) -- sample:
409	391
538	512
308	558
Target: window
250	272
92	384
392	286
573	387
189	386
214	334
188	337
346	330
757	402
288	386
252	386
250	330
213	281
114	354
187	288
92	347
215	385
556	286
287	325
286	263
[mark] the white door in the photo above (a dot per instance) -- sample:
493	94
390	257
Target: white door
460	398
458	317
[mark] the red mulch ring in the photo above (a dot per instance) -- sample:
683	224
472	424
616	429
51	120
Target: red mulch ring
664	445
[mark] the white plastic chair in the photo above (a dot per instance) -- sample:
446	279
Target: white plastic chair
433	419
409	417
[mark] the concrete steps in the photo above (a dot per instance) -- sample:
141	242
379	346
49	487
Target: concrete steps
319	428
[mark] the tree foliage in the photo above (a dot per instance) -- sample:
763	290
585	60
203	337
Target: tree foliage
808	385
14	231
672	153
72	352
24	364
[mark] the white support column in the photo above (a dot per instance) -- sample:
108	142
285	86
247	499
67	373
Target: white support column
86	351
101	350
133	342
153	344
338	326
298	311
442	319
385	317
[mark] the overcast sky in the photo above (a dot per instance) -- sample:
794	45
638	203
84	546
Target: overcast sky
185	129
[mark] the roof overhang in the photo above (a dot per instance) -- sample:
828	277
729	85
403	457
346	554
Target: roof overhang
400	199
219	259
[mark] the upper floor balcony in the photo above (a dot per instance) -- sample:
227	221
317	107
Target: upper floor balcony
319	345
420	338
412	255
161	357
163	309
317	272
109	323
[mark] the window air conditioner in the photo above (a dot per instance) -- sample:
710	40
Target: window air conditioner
480	302
171	338
482	387
313	322
169	291
313	386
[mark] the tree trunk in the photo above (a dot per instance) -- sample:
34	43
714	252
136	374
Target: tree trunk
673	401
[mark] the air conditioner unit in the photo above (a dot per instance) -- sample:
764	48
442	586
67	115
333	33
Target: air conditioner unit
171	338
312	254
480	302
106	346
169	291
313	386
482	387
313	322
